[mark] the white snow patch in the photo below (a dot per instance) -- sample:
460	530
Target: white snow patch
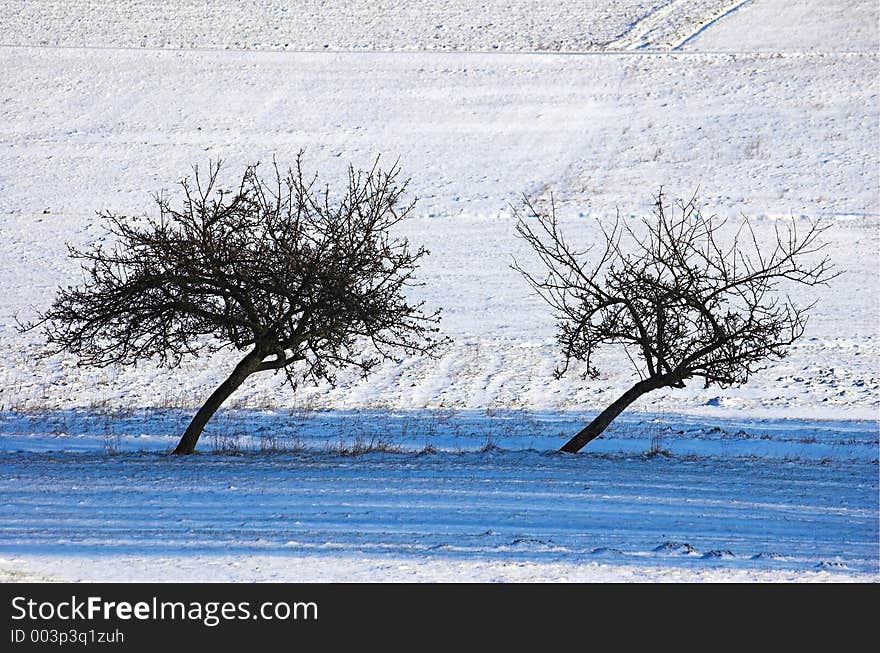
359	569
322	25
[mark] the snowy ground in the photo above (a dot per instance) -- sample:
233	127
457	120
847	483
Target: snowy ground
770	108
435	496
446	25
436	516
776	136
565	25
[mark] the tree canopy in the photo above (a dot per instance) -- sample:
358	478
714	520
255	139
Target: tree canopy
305	281
678	298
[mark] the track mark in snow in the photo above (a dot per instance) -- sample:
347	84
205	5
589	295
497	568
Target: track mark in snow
636	35
663	27
705	26
489	507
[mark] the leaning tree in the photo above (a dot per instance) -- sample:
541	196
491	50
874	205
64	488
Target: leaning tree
303	281
682	297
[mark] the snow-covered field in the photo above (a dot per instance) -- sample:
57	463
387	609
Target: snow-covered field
776	136
565	25
482	516
770	109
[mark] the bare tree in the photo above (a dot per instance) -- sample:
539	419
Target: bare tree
679	302
303	283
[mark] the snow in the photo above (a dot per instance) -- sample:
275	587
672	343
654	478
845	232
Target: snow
769	108
520	515
366	569
156	430
806	25
564	25
474	131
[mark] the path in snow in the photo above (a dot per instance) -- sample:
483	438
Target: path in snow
672	24
693	514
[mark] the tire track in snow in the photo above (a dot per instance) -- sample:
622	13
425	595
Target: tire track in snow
705	26
501	507
639	30
661	28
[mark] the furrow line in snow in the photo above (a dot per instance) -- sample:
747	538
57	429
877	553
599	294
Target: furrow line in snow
702	28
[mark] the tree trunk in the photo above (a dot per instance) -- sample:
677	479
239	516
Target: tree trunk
243	370
594	429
